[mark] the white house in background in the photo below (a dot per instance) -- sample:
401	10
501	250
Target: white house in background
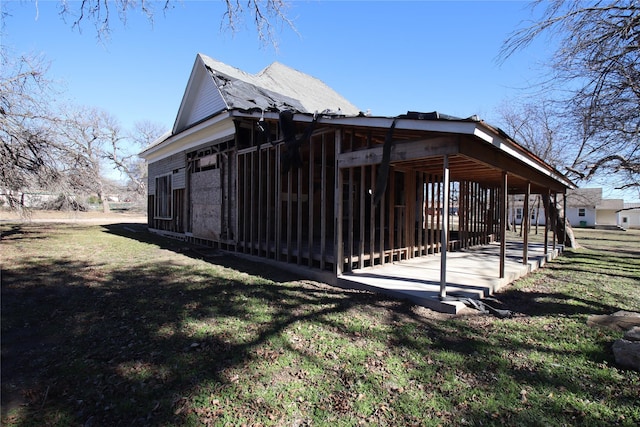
536	210
629	216
587	208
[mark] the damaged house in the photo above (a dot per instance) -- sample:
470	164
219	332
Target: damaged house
279	166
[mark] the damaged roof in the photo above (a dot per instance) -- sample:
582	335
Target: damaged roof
214	87
274	86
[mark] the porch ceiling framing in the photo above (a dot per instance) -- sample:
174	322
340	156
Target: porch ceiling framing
473	155
469	159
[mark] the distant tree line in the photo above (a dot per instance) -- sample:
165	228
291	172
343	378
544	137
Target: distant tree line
60	149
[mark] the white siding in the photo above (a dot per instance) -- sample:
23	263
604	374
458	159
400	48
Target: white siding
207	101
589	218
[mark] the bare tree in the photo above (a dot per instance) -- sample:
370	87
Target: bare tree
28	158
266	15
540	128
598	63
143	134
95	145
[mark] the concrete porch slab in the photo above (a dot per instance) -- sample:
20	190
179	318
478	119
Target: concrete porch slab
471	273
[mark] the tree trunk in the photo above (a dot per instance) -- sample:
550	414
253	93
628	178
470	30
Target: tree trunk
556	215
103	200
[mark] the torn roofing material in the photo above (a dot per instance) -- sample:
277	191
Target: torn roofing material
275	87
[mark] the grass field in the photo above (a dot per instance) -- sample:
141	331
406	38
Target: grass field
110	325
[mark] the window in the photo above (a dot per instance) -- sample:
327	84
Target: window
582	212
518	213
163	197
625	220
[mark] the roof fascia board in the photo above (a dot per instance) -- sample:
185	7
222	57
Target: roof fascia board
509	149
448	126
187	91
504	161
215	128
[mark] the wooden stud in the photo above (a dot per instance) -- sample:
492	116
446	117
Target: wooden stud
289	214
299	193
323	204
278	202
361	216
312	166
338	210
372	219
350	219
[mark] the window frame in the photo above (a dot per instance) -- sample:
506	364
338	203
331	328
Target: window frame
163	201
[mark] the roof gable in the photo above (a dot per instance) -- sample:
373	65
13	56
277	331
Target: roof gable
215	86
202	98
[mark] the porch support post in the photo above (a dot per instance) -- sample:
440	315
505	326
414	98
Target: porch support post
526	218
338	248
546	224
554	217
503	223
564	219
444	235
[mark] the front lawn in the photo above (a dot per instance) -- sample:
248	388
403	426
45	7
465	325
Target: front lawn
110	325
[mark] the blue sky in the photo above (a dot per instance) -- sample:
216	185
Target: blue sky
389	57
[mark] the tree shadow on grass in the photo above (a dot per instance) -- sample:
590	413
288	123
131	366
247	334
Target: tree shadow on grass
86	344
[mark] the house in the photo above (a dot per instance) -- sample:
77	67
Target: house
277	165
587	208
535	207
629	216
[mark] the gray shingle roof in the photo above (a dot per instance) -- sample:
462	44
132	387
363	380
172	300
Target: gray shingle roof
276	87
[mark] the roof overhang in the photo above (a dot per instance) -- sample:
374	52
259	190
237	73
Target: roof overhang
216	128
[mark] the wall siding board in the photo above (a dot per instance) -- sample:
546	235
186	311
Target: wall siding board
165	166
208	100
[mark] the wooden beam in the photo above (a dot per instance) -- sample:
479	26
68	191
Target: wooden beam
401	151
499	160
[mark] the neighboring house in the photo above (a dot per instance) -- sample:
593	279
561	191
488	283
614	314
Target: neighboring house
279	166
629	216
535	208
587	208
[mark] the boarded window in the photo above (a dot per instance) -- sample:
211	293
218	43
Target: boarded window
163	197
